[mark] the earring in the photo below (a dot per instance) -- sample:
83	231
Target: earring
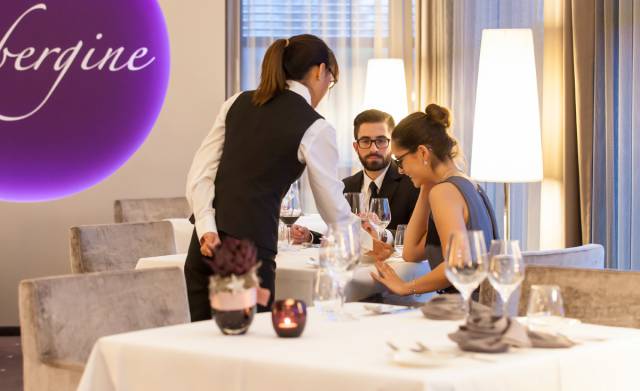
425	162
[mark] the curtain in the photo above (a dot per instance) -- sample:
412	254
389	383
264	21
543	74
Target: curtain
602	149
447	54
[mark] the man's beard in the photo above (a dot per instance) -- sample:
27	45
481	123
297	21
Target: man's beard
375	165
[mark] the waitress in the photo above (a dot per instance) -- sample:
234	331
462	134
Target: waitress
260	144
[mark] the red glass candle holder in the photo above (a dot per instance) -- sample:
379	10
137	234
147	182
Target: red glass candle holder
289	317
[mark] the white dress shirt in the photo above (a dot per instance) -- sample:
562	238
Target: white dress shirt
367	182
317	150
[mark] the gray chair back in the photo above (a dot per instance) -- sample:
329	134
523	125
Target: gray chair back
589	256
109	247
606	297
62	317
150	209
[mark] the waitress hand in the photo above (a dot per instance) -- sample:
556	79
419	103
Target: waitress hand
208	243
381	250
300	234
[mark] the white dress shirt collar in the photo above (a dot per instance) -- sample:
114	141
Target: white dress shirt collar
367	181
300	89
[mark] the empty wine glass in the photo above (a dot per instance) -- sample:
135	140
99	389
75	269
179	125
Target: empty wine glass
379	214
506	269
343	254
291	209
398	240
356	202
466	263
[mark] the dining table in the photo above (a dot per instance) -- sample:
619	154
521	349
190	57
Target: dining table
382	348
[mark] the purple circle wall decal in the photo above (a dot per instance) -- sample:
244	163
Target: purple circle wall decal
81	85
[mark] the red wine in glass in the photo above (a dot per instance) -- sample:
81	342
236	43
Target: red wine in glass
289	220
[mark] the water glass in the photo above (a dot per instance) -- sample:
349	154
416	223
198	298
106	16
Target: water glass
398	240
325	297
466	263
506	269
342	254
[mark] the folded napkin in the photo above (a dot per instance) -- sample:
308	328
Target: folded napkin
493	334
451	307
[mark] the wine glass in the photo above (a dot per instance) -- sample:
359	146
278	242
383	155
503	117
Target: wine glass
466	263
343	252
290	209
398	240
506	269
379	214
356	202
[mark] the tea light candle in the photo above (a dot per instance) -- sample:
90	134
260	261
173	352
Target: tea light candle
289	317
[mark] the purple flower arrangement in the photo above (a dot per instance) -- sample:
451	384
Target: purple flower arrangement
234	264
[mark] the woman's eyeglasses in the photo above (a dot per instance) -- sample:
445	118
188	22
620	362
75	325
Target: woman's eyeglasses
398	159
365	142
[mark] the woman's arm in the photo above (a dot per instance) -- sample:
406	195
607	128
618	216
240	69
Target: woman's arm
202	174
415	235
449	216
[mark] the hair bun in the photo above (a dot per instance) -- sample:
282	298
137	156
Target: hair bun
438	114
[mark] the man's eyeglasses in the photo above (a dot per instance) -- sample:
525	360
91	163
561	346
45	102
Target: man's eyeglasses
365	142
398	159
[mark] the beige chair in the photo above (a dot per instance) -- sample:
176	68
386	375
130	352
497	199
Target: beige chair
589	256
607	297
109	247
150	209
62	317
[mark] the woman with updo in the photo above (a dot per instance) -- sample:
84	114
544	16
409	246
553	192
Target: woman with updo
449	200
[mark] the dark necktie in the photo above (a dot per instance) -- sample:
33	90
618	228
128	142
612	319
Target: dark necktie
373	188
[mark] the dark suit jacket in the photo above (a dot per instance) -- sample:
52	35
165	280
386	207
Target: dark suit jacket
396	187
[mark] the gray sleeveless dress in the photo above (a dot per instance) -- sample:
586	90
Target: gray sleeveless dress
481	218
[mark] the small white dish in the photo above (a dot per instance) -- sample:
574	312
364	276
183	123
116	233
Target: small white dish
379	309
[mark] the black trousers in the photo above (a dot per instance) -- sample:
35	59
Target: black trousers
197	274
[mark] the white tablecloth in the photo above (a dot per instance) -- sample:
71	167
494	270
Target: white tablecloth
295	277
350	355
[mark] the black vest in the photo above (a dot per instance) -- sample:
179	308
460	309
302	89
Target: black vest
258	164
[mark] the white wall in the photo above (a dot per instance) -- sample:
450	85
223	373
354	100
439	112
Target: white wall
34	237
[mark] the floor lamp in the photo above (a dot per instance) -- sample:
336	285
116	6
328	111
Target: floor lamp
506	132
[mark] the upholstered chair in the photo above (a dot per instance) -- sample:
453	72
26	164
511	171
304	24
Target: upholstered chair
589	256
62	317
150	209
109	247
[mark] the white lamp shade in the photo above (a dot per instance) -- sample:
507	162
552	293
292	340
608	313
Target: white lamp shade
506	133
386	88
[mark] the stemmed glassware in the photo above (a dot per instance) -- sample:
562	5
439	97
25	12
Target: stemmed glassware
290	208
341	256
506	269
379	214
356	202
466	263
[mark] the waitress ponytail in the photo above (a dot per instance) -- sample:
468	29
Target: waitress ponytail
273	79
291	59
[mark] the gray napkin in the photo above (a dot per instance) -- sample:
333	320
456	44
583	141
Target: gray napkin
450	307
493	334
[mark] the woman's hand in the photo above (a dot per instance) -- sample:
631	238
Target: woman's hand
208	243
389	278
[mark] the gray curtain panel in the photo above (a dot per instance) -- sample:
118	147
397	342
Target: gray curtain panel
602	156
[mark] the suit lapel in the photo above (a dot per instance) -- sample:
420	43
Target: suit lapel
390	182
353	184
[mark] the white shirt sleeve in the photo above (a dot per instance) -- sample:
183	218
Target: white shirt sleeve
318	150
202	174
